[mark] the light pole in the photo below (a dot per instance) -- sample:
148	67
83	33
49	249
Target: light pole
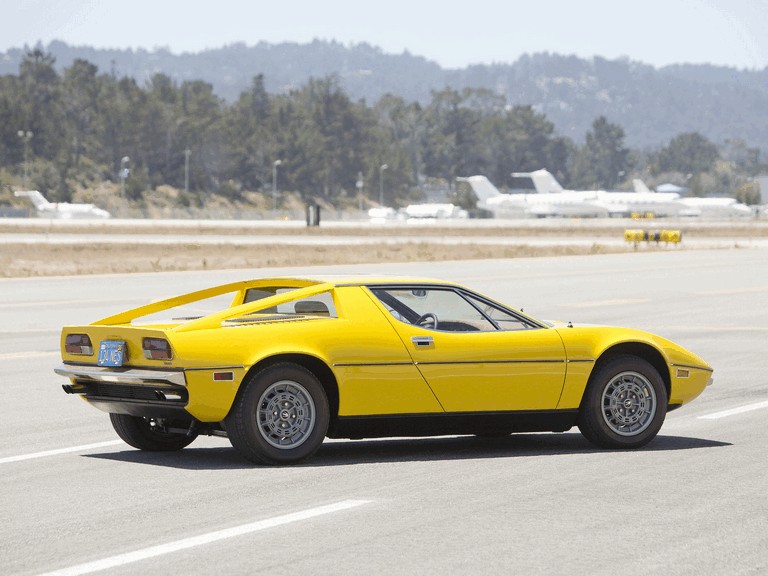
381	183
124	171
26	136
187	152
275	164
359	184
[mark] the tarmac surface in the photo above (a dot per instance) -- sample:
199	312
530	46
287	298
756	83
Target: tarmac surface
77	500
707	234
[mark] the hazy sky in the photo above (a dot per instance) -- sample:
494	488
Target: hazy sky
454	34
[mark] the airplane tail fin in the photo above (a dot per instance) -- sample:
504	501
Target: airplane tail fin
481	186
543	181
36	197
640	186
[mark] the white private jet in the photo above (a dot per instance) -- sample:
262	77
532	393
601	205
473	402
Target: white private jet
64	210
434	211
551	199
537	204
615	203
417	213
714	207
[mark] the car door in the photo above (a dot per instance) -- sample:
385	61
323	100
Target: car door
474	355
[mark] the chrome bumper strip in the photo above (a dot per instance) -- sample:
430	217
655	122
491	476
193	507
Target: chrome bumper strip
131	376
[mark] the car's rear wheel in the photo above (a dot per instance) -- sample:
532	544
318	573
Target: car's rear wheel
149	434
281	416
624	405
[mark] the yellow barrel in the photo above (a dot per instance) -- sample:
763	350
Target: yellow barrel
634	235
671	236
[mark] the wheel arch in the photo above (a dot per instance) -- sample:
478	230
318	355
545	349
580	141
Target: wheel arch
318	367
640	350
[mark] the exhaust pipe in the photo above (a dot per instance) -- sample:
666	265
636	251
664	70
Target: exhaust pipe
167	396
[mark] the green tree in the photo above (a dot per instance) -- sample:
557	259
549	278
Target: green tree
41	110
451	135
251	142
518	140
400	128
748	193
200	130
323	139
603	159
80	96
165	157
44	116
688	153
11	121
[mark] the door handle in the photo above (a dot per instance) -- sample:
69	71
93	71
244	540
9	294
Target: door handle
422	341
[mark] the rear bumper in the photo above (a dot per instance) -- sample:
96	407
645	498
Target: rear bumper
139	392
116	376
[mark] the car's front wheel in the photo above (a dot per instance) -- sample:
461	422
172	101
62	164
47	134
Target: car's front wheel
624	405
149	434
280	417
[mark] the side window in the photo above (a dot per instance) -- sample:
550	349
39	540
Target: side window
254	294
318	305
503	319
433	308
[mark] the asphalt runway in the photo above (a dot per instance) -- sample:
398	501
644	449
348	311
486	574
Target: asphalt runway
75	499
548	232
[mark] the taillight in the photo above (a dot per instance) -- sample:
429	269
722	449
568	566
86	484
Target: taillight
78	344
157	349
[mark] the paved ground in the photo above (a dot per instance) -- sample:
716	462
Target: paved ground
693	502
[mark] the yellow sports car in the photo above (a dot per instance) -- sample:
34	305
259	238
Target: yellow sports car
279	364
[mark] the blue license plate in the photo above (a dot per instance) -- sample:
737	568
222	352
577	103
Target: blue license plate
111	353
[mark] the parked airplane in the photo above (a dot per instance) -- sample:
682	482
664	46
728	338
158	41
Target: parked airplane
615	203
418	213
46	209
433	211
706	207
537	204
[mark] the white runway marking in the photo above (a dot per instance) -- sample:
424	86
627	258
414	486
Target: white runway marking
59	451
186	543
734	411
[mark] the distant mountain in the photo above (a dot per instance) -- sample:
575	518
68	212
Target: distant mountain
652	104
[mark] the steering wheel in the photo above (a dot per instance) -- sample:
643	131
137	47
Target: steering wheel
428	320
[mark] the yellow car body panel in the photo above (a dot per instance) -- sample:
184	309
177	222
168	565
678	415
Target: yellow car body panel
370	360
488	371
587	344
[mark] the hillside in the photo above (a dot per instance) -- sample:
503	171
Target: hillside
652	105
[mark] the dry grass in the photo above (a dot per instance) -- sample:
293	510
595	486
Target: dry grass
24	260
416	243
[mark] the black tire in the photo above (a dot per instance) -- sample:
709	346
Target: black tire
624	405
139	433
280	417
